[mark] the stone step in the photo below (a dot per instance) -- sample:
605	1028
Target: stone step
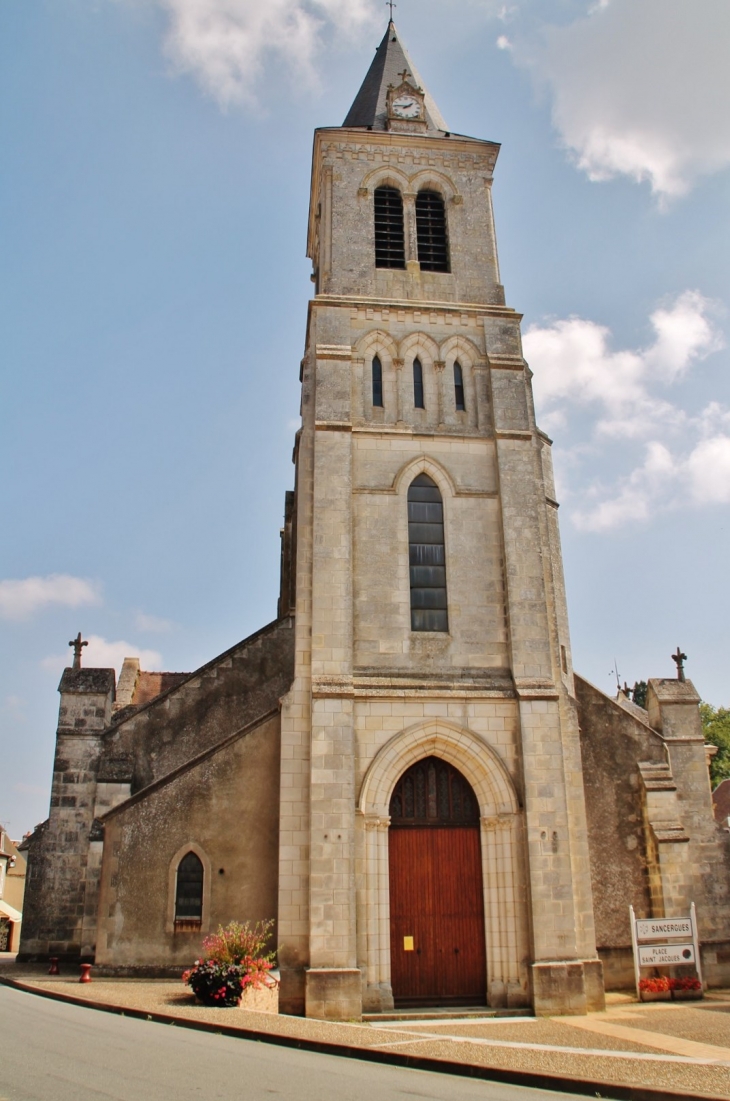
433	1013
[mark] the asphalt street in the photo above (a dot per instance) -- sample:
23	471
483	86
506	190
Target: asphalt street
56	1052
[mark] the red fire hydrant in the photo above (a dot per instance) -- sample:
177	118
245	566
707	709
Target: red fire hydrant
53	969
85	972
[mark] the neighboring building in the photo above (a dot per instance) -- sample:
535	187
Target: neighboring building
402	768
12	888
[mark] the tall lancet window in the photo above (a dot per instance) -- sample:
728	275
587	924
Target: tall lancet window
433	245
377	382
459	387
418	384
390	244
189	889
427	556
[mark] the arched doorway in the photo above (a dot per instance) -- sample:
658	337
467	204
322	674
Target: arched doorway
437	941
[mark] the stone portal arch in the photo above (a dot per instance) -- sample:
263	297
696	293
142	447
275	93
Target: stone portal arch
501	845
474	758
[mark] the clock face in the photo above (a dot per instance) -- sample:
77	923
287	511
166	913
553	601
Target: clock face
406	107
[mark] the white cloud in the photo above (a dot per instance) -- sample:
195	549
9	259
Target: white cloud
22	598
685	459
574	365
664	482
102	654
708	470
641	90
224	44
152	623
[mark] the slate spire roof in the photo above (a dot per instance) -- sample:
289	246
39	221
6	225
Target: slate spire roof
391	58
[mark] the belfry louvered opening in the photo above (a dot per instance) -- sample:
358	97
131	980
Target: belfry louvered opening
433	244
427	556
390	248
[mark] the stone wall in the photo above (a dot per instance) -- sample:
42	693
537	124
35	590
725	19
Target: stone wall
654	843
58	853
101	763
613	741
222	696
225	807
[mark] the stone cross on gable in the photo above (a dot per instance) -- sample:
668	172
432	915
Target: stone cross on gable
404	76
679	659
77	645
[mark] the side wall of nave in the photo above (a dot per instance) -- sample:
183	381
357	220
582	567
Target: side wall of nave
225	809
654	842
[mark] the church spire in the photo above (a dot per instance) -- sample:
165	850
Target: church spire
389	64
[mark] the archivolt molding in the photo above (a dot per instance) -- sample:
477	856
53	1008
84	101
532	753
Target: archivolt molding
418	344
374	342
430	180
473	757
424	465
385	174
463	349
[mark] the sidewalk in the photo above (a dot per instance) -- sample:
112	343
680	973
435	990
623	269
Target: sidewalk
675	1048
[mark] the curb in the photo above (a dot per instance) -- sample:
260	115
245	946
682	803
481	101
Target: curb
527	1079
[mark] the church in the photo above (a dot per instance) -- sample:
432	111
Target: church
402	769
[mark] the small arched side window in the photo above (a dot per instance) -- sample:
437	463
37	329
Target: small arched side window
377	382
390	244
189	889
427	556
459	387
433	245
418	384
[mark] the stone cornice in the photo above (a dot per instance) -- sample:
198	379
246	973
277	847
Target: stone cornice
422	306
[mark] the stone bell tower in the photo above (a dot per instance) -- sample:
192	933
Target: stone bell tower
431	621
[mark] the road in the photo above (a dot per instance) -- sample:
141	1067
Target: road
52	1051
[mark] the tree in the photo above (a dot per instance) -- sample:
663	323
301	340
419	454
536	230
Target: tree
638	693
716	728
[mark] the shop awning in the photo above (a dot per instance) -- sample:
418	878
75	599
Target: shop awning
9	912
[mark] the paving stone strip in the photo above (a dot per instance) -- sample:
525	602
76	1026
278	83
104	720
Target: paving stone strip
674	1044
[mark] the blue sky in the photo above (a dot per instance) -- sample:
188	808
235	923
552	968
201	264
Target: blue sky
154	192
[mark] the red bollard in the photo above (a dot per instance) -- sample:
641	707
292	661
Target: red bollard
85	972
53	969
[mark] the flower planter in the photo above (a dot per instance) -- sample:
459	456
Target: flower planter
686	995
263	1000
655	995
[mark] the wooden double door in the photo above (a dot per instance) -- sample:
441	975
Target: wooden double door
437	942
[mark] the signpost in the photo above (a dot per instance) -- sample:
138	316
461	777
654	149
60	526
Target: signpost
664	942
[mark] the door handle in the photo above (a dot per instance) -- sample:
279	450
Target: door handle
456	951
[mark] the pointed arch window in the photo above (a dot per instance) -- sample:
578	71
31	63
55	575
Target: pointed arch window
189	889
459	387
418	384
427	556
433	244
377	372
390	244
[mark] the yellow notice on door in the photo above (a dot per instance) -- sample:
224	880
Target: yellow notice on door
407	944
